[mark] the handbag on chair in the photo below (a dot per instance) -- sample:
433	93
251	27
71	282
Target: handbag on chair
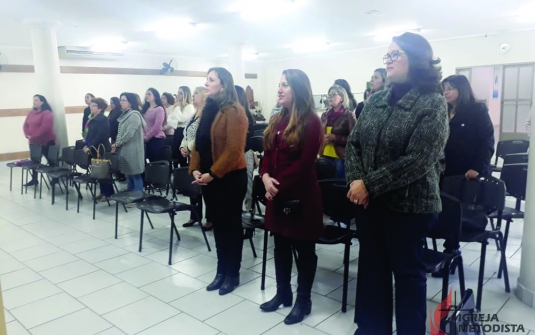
100	168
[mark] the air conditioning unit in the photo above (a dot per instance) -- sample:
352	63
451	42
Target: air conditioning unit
79	52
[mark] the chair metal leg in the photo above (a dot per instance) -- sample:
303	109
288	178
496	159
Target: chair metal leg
41	187
446	279
264	260
296	256
173	228
78	203
202	229
503	263
346	277
141	231
460	269
481	274
252	246
116	218
66	193
435	244
46	183
498	227
94	199
26	188
148	218
21	181
10	179
53	192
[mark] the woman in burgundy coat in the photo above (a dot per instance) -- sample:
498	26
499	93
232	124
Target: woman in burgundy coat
294	211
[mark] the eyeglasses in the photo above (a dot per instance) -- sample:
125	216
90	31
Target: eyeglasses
394	56
332	95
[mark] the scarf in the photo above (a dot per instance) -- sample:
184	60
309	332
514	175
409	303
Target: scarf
332	116
86	127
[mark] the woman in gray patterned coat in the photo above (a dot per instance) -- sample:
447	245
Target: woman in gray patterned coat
392	166
129	142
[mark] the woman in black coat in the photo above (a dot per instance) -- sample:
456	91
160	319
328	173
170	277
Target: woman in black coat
470	145
98	138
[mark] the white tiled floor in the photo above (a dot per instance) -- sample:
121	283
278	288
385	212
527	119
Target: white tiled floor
63	273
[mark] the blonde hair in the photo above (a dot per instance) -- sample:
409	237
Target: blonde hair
342	93
202	91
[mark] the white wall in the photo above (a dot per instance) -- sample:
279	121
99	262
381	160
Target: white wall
482	82
17	89
357	66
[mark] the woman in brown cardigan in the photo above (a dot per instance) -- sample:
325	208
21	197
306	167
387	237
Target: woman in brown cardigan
218	163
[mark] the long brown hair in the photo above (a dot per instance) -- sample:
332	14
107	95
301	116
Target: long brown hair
228	95
302	108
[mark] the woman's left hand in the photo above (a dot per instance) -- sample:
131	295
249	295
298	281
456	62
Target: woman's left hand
471	174
329	138
86	150
358	194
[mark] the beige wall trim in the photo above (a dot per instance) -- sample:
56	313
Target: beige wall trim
13	156
113	70
10	112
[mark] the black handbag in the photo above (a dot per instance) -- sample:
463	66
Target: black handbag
289	208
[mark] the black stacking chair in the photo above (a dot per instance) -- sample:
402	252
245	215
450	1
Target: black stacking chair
505	148
36	152
520	158
165	154
83	160
487	193
325	169
449	225
258	129
254	218
340	209
64	174
181	179
515	177
52	164
156	172
257	144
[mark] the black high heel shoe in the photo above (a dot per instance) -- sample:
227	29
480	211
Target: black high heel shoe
283	297
301	308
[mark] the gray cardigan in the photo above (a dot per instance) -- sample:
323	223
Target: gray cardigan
396	151
129	143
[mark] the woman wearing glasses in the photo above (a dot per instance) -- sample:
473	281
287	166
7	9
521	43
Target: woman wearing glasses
392	166
337	125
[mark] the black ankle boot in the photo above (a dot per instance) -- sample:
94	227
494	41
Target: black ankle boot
32	182
302	307
284	297
216	283
229	285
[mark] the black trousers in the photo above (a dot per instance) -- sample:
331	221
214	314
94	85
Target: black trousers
153	149
44	153
224	197
197	202
306	264
177	156
391	242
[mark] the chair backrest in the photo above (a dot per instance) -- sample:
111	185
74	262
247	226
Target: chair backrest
511	147
325	169
515	177
258	129
515	158
485	191
114	161
79	144
67	155
157	173
450	220
53	155
257	143
182	180
82	159
335	202
165	154
36	151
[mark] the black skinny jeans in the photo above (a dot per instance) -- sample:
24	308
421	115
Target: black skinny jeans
391	243
224	197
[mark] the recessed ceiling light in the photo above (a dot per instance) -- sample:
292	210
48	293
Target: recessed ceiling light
265	9
310	45
372	12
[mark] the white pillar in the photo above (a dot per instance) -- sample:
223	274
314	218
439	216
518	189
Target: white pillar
47	72
525	291
235	64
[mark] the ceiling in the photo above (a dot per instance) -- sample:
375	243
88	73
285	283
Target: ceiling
344	24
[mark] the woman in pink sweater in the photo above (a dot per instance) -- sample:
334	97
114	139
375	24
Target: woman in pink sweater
154	115
39	128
